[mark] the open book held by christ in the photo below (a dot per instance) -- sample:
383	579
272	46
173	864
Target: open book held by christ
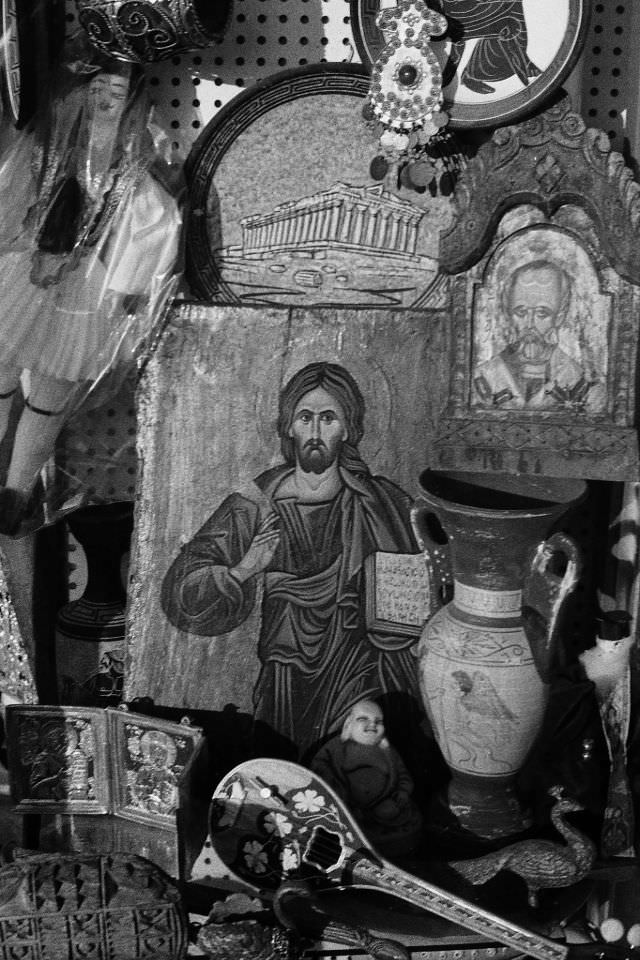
399	593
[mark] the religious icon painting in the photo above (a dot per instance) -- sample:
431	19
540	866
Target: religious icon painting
283	208
539	373
274	471
56	759
544	306
500	59
98	761
541	323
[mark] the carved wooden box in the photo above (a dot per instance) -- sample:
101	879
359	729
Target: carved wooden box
98	907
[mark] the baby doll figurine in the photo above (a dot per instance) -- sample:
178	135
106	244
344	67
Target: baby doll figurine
88	245
370	776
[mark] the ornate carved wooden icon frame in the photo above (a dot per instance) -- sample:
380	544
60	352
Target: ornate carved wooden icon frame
546	221
283	209
58	759
97	761
501	60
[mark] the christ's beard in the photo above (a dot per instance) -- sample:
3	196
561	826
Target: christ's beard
315	457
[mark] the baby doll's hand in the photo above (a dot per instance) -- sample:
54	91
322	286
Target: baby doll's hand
387	810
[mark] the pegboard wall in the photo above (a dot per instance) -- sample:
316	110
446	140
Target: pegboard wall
264	37
610	74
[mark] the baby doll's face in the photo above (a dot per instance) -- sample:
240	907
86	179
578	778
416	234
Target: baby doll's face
367	725
107	98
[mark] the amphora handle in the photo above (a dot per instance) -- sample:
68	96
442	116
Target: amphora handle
544	595
434	544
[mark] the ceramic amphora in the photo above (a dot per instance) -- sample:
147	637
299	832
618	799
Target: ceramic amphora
484	657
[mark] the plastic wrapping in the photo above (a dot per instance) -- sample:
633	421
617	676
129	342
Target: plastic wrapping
89	240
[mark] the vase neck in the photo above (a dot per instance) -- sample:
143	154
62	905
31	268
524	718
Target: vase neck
480	602
493	553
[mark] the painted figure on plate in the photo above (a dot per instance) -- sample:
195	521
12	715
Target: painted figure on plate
500	28
298	536
533	370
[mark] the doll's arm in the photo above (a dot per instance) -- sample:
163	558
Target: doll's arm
143	244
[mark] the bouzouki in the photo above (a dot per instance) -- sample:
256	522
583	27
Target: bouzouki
273	820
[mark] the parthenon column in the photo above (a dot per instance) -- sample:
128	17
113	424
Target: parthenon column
393	238
296	232
335	219
370	226
383	220
278	239
356	230
316	223
401	244
412	241
345	226
271	233
289	230
323	223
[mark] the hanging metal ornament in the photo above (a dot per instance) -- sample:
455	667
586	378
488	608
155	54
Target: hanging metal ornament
146	31
406	80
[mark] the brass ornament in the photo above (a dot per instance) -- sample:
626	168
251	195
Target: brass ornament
144	31
406	80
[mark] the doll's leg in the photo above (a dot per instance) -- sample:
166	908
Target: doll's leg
9	382
38	427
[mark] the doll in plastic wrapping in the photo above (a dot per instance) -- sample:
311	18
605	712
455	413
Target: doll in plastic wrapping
88	246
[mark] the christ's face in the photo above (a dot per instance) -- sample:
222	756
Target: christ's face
318	430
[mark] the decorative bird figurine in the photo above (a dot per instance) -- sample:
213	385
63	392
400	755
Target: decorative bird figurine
540	863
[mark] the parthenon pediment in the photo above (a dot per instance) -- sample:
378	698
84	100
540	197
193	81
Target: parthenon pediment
341	192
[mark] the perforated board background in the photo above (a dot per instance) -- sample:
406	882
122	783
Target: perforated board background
263	37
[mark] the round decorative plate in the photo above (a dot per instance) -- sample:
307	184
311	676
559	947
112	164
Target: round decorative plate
16	81
501	59
32	37
283	209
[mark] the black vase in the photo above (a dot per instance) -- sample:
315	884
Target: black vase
90	631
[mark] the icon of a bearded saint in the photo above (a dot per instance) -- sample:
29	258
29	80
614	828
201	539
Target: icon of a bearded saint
305	530
532	371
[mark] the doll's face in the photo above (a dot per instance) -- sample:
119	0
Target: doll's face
367	724
107	98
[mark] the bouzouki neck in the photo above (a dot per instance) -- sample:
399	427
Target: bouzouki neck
426	896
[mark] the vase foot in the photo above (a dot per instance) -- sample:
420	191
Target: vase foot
487	807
